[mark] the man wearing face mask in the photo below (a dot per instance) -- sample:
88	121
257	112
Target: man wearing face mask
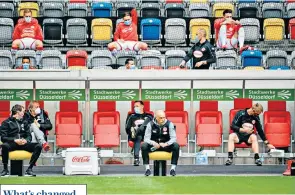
26	64
129	64
39	124
135	127
15	135
202	52
27	33
243	126
160	135
126	37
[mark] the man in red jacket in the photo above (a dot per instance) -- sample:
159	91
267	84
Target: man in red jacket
229	32
27	33
126	37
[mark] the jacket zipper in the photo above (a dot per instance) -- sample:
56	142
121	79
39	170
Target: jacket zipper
18	130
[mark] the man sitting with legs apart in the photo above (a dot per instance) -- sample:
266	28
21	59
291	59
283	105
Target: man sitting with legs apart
15	135
243	126
126	37
229	32
39	124
27	33
160	135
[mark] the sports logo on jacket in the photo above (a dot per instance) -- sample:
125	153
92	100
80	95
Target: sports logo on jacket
22	127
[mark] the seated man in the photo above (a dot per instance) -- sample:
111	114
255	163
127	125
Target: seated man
135	127
27	33
160	135
26	64
243	126
126	37
129	64
39	124
229	32
15	135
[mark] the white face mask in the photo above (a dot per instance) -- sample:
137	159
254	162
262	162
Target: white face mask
37	111
28	19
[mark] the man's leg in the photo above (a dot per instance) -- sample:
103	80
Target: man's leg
137	149
241	37
39	136
114	47
6	148
232	139
254	142
36	149
174	148
222	39
140	46
145	150
16	45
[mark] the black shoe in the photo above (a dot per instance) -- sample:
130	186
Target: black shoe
258	162
148	172
5	173
136	162
30	173
229	162
172	172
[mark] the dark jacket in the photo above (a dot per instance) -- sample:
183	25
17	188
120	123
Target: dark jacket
42	118
242	117
12	129
132	118
206	52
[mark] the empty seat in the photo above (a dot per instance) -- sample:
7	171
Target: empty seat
227	58
199	10
253	68
273	29
25	53
53	9
103	9
209	125
291	10
51	59
218	9
100	58
252	29
272	10
77	31
276	58
34	7
77	10
150	10
125	7
6	30
101	31
174	10
6	9
175	31
122	56
151	30
150	58
196	24
252	58
52	31
4	110
76	58
248	10
173	58
5	59
277	124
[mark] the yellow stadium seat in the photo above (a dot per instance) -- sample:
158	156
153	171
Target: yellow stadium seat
77	68
161	155
102	30
218	9
16	161
274	29
196	24
20	155
34	7
253	68
199	1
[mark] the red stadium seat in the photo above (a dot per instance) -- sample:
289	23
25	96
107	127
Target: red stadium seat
174	1
239	104
277	124
209	125
152	67
76	58
4	110
176	114
77	1
68	106
106	125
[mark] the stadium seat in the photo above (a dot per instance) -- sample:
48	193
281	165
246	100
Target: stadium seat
6	31
52	31
273	10
173	58
6	9
253	68
252	29
227	58
276	58
77	31
34	7
25	53
77	10
175	31
53	9
248	10
199	10
76	58
16	161
6	61
198	1
68	125
150	10
102	9
239	104
291	10
106	125
196	24
51	59
125	7
175	113
209	125
122	56
150	58
100	58
252	58
218	9
173	1
101	31
78	1
277	124
4	110
174	10
151	30
273	29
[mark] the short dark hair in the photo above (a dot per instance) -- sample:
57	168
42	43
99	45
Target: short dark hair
141	102
26	58
227	11
126	14
16	108
128	60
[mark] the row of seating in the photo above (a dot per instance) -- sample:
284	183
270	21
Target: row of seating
208	126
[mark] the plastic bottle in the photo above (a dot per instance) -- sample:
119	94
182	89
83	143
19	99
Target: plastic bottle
52	161
262	158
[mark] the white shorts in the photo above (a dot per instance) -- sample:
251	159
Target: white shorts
127	45
28	43
230	43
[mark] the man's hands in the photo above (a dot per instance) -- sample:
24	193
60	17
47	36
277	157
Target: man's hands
20	141
270	146
36	123
231	21
198	64
162	145
248	131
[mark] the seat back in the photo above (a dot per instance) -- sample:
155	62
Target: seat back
274	29
5	59
174	10
218	9
77	10
174	57
100	58
76	58
125	7
252	58
291	10
52	30
101	30
51	59
272	10
53	9
150	10
199	10
150	58
34	7
7	9
102	9
175	31
196	24
248	10
226	58
276	58
6	30
151	30
252	29
77	31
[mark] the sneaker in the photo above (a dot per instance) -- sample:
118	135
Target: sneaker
136	162
229	162
243	49
30	173
148	172
5	173
46	147
172	172
258	162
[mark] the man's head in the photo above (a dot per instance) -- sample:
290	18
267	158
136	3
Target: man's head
256	109
201	33
28	15
138	107
26	62
127	18
129	63
34	108
227	14
160	117
17	111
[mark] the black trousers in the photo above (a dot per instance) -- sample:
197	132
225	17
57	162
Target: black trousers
146	149
35	148
136	148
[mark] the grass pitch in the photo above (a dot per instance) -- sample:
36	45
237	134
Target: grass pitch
170	185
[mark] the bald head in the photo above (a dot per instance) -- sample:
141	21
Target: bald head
160	117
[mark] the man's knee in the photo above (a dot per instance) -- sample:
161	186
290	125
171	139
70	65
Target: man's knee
143	46
232	136
38	147
5	146
16	43
175	146
144	146
112	46
253	138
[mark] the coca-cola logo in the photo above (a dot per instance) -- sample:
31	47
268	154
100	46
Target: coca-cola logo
81	159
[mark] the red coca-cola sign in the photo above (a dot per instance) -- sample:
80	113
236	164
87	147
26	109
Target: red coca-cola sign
81	159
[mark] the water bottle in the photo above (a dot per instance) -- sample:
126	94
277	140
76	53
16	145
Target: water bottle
262	158
52	161
153	149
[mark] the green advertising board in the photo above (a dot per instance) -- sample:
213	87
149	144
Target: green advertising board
166	94
16	94
114	94
270	94
217	94
60	94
